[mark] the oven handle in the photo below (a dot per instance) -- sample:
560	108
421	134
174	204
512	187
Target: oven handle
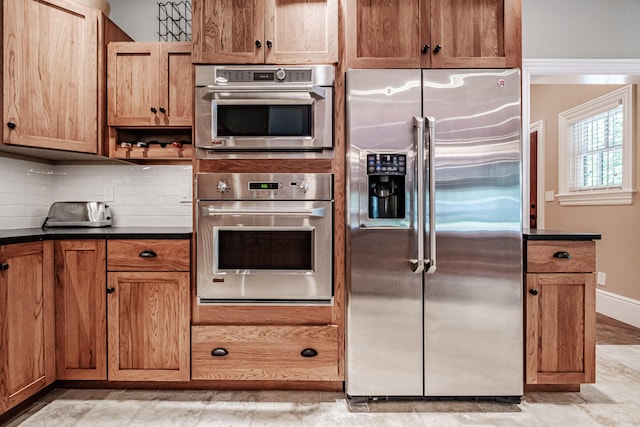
315	91
313	212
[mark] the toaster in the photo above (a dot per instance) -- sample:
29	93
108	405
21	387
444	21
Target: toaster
78	214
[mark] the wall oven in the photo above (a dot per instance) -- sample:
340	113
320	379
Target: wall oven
264	111
264	238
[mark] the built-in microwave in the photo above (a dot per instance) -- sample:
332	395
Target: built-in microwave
264	111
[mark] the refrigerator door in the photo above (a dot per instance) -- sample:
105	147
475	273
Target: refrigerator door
384	303
473	300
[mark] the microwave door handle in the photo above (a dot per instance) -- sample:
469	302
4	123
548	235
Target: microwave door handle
315	91
312	212
431	264
418	125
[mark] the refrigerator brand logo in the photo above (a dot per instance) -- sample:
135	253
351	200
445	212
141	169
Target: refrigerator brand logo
218	280
502	83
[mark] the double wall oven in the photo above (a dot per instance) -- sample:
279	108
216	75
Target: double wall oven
264	238
264	111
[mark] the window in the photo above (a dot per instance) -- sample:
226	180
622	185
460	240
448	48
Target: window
595	142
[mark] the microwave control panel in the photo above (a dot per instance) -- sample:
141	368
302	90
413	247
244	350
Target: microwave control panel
270	75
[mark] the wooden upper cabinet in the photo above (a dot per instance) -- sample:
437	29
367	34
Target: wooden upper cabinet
433	34
50	75
149	84
265	31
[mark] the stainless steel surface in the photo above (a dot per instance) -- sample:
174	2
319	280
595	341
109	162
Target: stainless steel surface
264	203
218	86
456	331
418	124
79	214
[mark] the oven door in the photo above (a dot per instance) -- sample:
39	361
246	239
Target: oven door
286	120
265	251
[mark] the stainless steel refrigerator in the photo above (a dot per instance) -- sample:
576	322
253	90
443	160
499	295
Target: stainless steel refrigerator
434	246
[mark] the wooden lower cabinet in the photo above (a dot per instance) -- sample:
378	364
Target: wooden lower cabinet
560	313
276	353
27	336
148	326
81	309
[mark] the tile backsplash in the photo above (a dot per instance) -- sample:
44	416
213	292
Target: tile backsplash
139	195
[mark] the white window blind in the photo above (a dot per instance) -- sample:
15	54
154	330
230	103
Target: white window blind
597	147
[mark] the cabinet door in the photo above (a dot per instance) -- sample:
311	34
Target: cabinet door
27	348
133	84
301	32
81	309
50	75
228	31
148	326
476	34
177	94
560	328
387	34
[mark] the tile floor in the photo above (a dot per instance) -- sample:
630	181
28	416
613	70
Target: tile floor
614	400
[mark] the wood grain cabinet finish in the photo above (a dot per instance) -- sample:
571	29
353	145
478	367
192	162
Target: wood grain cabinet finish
299	353
81	309
560	312
27	336
149	84
265	31
50	75
433	34
148	306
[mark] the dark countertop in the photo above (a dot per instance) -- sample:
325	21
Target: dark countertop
24	235
536	234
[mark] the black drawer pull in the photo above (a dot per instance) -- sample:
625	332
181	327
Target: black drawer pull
308	352
148	254
111	290
219	352
562	254
533	291
4	266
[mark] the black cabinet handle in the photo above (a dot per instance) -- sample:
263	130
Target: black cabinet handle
258	44
154	110
111	290
533	291
437	49
308	352
426	48
148	254
219	352
162	110
562	254
11	125
269	44
4	266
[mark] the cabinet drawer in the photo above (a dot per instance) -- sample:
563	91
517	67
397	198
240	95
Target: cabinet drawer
148	255
264	353
561	257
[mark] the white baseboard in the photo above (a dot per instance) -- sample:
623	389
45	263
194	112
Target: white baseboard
621	308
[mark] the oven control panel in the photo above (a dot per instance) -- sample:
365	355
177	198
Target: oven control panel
247	186
266	75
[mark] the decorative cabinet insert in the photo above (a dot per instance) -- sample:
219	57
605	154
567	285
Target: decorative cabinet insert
50	75
27	352
265	31
433	34
560	312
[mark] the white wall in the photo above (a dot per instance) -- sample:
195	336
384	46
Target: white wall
143	195
580	28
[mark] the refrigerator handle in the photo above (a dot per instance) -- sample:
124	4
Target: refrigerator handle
418	124
431	263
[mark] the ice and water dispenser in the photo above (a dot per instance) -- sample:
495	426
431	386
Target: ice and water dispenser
386	183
